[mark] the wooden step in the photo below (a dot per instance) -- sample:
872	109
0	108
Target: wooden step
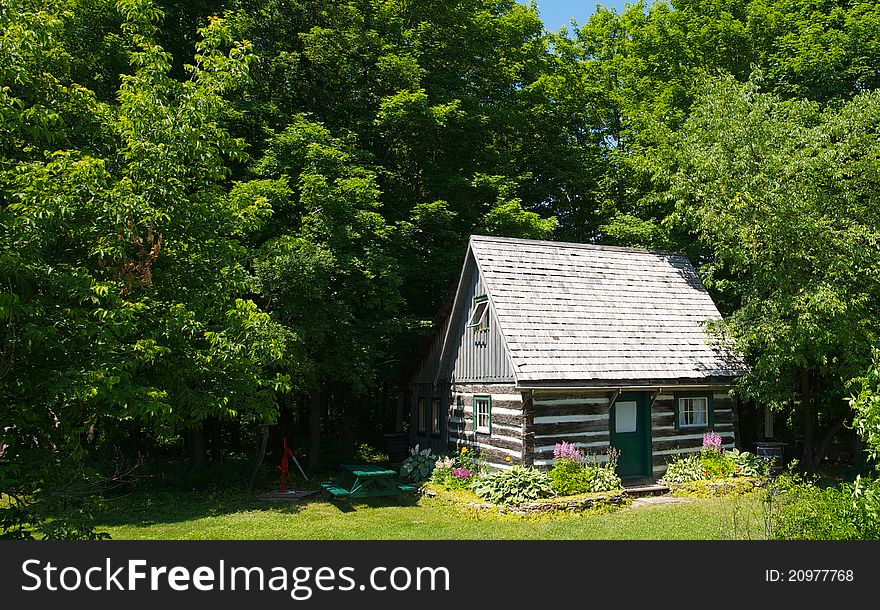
650	489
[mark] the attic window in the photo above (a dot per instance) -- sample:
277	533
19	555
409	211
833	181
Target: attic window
479	320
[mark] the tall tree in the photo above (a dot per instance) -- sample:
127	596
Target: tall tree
783	197
125	289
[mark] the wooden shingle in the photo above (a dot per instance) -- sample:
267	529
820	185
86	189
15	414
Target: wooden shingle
591	313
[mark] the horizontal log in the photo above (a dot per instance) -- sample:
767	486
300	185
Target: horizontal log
570	427
467	403
726	433
505	418
586	437
723	401
542	410
501	442
551	400
676	443
664	419
515	429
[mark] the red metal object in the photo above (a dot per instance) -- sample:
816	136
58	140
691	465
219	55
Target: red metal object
286	453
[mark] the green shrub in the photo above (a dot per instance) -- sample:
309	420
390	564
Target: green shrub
684	469
450	474
722	487
713	464
747	464
716	465
418	466
797	509
515	486
570	477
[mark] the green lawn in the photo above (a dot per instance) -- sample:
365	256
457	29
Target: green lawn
239	516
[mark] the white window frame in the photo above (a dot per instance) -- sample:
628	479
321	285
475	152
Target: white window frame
479	319
683	411
482	420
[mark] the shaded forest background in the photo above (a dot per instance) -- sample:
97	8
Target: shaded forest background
217	215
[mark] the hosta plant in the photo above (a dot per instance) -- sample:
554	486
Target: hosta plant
515	486
418	466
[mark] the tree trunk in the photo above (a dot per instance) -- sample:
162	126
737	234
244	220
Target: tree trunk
261	454
197	445
348	425
836	427
214	435
314	429
807	463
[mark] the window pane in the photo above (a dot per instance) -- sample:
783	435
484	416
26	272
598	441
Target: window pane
693	411
481	414
480	315
435	416
625	416
423	419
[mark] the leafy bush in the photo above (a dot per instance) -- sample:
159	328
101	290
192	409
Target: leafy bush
797	509
866	405
575	476
747	464
719	487
515	486
457	471
713	464
684	469
418	466
716	465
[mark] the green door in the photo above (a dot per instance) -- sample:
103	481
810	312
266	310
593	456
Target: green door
630	427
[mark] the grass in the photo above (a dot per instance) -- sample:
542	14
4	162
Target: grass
174	514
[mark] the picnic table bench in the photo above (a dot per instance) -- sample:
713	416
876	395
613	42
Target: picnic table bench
365	481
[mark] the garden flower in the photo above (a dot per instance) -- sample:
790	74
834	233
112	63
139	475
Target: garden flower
712	440
566	450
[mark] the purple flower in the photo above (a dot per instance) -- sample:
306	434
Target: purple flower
712	440
566	450
461	473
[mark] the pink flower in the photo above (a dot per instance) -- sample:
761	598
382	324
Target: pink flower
566	450
712	440
461	473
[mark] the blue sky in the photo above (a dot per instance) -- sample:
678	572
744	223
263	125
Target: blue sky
557	13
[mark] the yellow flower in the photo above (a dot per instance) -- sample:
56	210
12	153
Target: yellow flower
464	449
507	458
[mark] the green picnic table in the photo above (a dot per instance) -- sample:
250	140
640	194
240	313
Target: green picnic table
365	481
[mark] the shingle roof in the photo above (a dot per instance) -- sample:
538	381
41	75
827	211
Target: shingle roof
576	312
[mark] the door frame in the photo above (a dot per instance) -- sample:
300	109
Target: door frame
643	424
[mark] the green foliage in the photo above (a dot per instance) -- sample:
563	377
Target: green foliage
684	469
418	466
798	509
710	464
716	487
779	196
515	486
717	465
747	464
126	290
458	471
866	404
570	477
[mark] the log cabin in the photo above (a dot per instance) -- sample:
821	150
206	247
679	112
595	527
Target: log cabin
599	346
